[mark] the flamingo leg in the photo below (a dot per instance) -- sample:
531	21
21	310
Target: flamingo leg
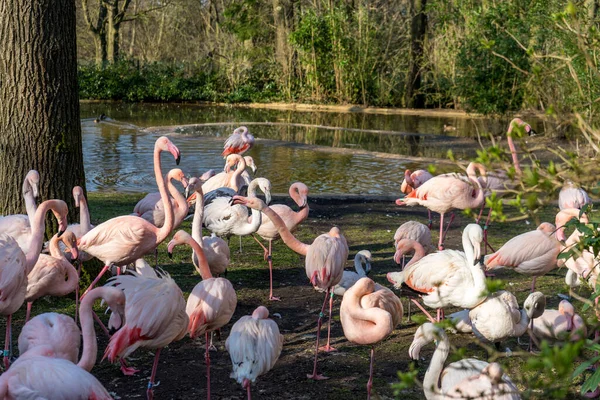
533	284
99	322
106	267
240	244
77	291
28	313
480	213
448	227
424	311
485	230
441	238
314	375
370	382
212	347
270	260
207	359
266	251
246	384
156	257
7	342
327	348
151	384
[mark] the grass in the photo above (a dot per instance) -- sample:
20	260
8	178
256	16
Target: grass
366	226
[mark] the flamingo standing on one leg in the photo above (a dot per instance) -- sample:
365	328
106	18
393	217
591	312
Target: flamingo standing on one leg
211	303
446	192
254	345
154	317
445	278
215	249
122	240
239	142
268	231
368	316
325	259
18	225
47	278
15	264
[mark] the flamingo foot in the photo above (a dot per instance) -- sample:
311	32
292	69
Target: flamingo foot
441	247
212	347
127	371
327	348
273	298
317	377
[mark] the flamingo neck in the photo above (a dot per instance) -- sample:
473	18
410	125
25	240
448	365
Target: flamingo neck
181	209
252	226
417	248
358	266
38	228
287	237
513	153
70	284
30	203
234	178
369	325
165	230
198	216
202	267
84	216
431	381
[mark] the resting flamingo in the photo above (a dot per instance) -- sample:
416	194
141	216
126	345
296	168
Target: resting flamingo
349	278
154	317
228	178
572	196
36	373
122	240
60	332
15	264
151	206
415	231
239	142
18	225
446	192
254	345
445	278
47	278
299	193
215	249
561	324
324	262
211	303
499	318
368	315
413	180
439	382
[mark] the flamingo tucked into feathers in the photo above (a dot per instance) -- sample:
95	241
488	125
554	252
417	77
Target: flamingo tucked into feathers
239	142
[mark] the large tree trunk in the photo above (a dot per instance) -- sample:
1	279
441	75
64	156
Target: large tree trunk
112	32
39	104
97	30
418	28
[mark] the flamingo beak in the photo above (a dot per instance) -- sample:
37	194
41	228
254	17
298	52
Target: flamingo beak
268	198
175	151
60	232
400	202
74	253
170	254
185	182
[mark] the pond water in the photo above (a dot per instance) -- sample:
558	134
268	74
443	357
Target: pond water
333	153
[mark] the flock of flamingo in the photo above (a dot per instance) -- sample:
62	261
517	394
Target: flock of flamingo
148	309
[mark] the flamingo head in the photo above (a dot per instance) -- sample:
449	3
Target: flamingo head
33	179
534	305
242	130
364	257
250	164
231	161
474	235
261	313
299	192
426	334
70	241
115	299
567	309
60	210
207	175
494	371
181	237
265	186
250	202
194	185
178	175
164	144
521	125
78	195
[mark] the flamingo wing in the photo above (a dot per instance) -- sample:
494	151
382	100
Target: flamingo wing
210	305
17	226
13	275
58	331
236	143
432	271
525	248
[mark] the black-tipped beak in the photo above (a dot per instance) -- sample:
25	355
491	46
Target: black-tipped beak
178	159
532	132
60	233
112	331
231	201
479	260
170	255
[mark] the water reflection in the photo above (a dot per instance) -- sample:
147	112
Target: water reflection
118	153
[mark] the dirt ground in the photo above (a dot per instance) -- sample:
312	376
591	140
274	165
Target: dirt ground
367	225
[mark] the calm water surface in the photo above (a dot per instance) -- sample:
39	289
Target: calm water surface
118	153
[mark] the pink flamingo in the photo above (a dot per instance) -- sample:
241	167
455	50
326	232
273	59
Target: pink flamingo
151	207
62	334
18	225
15	264
47	278
240	141
489	384
446	192
324	263
227	178
349	278
254	345
122	240
211	303
414	230
215	249
439	382
37	374
154	317
84	225
299	193
245	174
446	278
572	196
561	324
369	315
413	180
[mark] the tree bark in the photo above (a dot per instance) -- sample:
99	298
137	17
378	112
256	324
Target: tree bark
39	105
112	31
97	30
418	28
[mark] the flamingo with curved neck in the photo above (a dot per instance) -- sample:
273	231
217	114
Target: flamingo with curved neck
299	193
151	206
211	303
324	263
227	178
239	142
122	240
47	278
368	315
